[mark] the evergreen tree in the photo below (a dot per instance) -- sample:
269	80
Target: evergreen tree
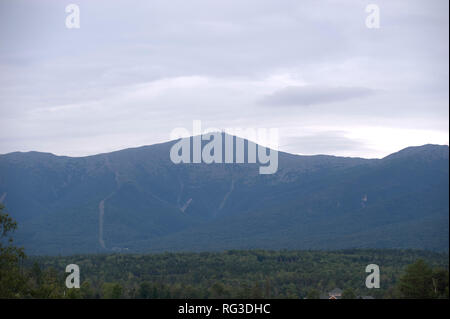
417	282
12	282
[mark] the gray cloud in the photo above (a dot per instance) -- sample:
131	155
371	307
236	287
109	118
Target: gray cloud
329	142
309	95
137	69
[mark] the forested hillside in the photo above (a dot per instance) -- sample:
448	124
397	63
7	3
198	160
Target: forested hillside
137	200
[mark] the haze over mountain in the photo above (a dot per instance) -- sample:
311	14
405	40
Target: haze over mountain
138	200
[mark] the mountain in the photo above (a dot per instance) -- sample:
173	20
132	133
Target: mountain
138	200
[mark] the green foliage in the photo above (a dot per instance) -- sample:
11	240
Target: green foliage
313	294
229	274
348	294
112	291
11	279
235	274
17	281
440	283
420	281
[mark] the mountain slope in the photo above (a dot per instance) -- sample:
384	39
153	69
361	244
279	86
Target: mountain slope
138	200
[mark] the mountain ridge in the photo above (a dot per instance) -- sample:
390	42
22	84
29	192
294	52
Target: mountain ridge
405	150
151	204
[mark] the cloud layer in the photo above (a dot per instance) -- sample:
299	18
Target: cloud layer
137	69
309	95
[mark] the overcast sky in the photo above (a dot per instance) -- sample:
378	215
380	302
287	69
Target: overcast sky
135	70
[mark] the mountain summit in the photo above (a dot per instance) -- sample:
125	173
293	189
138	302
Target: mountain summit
138	200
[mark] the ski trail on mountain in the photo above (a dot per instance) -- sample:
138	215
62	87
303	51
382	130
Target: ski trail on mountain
2	198
101	208
188	202
101	218
186	205
101	205
225	198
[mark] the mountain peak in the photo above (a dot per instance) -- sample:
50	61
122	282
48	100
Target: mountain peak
430	151
138	199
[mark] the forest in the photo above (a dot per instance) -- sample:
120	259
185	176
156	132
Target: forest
245	274
226	274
